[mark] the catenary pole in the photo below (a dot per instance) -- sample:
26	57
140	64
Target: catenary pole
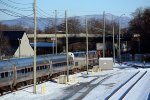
53	45
119	40
34	88
56	32
67	45
113	39
119	21
86	44
104	34
19	46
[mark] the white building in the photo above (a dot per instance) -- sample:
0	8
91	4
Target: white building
24	49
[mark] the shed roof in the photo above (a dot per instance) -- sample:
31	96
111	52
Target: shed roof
43	44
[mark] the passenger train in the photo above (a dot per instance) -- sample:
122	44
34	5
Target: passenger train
18	72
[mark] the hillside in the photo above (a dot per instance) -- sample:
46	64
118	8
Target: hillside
27	22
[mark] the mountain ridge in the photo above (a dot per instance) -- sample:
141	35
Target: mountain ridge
42	23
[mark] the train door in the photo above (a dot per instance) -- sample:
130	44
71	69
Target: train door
50	68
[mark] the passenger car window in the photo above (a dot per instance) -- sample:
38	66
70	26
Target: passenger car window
2	75
22	70
6	74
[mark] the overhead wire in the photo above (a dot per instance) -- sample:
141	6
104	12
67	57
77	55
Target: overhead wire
14	7
14	13
19	3
38	8
39	19
41	14
18	15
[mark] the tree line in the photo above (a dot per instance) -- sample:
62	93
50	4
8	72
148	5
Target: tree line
139	24
140	29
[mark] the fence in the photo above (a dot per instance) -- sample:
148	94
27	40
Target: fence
135	57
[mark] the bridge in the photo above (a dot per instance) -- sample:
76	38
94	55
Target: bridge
64	35
81	36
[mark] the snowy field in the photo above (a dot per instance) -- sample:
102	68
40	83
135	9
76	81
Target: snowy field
94	86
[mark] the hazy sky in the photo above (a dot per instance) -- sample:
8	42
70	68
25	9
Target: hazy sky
74	7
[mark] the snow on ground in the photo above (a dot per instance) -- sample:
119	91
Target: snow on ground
92	86
102	90
140	90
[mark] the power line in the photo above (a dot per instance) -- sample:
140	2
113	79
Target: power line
9	14
14	14
46	24
27	22
19	3
13	7
40	14
43	11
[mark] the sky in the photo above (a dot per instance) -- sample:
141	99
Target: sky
74	7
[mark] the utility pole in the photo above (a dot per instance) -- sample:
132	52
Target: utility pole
139	46
119	41
56	31
53	44
113	39
104	34
86	45
119	53
19	46
34	71
67	45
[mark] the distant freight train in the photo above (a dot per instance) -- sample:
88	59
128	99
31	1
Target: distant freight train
19	72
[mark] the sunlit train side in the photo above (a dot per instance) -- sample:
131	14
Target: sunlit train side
18	72
80	58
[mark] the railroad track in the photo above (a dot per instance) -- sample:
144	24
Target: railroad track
82	91
31	85
120	92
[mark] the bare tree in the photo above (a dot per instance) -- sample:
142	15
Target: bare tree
140	25
95	26
4	45
74	26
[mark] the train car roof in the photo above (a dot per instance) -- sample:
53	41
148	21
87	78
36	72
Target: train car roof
84	52
21	62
